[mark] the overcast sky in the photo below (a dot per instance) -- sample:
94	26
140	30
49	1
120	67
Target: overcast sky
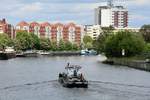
78	11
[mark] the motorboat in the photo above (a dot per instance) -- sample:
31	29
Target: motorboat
72	77
88	52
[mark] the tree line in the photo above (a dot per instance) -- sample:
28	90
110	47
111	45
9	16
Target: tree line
109	43
121	44
131	43
27	41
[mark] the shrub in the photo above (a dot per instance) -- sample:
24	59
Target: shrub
131	43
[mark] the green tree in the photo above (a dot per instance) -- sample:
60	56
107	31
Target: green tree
71	46
131	43
45	44
68	46
23	41
99	43
75	47
61	45
146	53
87	41
35	41
5	41
108	30
145	31
53	45
147	48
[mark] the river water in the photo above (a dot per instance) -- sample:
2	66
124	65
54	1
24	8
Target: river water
36	79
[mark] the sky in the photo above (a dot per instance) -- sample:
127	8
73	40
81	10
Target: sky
78	11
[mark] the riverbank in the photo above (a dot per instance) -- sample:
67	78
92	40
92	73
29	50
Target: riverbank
7	55
130	62
61	53
48	53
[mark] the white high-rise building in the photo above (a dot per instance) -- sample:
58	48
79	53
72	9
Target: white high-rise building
110	15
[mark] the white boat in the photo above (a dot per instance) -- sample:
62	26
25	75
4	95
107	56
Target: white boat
88	52
7	53
30	53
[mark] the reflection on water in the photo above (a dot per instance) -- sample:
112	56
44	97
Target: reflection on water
36	79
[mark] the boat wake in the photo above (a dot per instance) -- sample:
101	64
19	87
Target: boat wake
27	84
119	84
91	83
97	89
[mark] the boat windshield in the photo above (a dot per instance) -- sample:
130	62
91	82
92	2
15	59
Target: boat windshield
71	69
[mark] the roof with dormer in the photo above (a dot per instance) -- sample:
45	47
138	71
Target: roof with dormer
58	24
22	23
45	24
70	25
34	24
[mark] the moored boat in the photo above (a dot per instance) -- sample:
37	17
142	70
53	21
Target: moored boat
28	53
7	53
43	52
88	52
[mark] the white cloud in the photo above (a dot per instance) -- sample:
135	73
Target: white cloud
33	7
70	7
42	9
27	9
21	9
135	2
139	17
84	12
142	2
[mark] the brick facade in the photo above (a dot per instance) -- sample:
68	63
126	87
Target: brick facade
7	28
66	32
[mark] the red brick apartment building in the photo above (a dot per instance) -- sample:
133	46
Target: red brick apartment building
67	32
7	28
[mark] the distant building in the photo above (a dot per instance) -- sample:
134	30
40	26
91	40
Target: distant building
67	32
110	15
23	26
93	31
7	28
35	27
127	29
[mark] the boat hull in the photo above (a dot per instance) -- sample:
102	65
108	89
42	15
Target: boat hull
6	56
72	84
30	54
27	54
75	84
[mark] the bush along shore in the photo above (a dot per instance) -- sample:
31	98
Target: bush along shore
130	62
29	41
125	48
37	53
28	45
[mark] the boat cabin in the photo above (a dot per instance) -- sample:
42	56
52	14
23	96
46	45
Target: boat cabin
73	70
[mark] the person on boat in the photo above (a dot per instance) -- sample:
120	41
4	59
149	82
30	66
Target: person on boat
81	76
68	64
75	73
